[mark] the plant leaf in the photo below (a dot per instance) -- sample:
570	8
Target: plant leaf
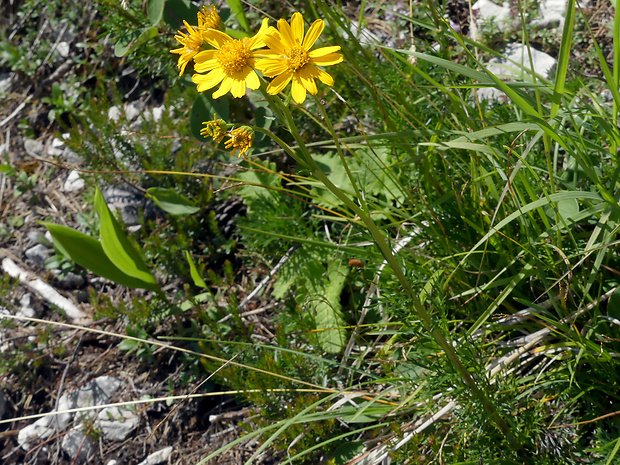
87	251
172	202
155	11
198	281
177	11
117	247
133	40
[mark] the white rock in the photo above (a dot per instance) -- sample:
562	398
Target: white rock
158	457
114	114
516	65
74	182
488	12
27	307
117	423
5	82
63	49
38	431
38	254
551	12
78	445
133	110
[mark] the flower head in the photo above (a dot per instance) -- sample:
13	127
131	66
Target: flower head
192	45
209	19
194	40
241	139
215	129
289	57
231	63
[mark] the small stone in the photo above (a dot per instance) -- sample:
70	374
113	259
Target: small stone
63	49
74	182
133	110
5	82
40	430
27	307
114	114
158	457
38	254
117	423
78	445
34	148
38	237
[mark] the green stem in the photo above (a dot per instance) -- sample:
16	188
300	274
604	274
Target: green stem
382	242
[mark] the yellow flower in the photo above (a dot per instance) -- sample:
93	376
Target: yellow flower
231	63
192	45
289	57
215	129
241	139
194	40
208	18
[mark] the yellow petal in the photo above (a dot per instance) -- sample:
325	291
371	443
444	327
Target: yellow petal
271	68
205	56
321	52
327	60
265	54
207	81
297	26
216	38
307	81
258	40
313	34
275	43
325	78
238	88
298	90
286	34
252	80
279	83
227	83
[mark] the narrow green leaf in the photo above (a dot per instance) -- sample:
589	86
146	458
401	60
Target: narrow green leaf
237	8
171	202
87	251
198	281
117	247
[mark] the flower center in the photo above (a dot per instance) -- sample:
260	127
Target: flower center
297	58
234	55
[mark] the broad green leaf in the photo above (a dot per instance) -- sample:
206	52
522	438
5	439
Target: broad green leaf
177	11
133	40
117	247
155	11
203	110
198	281
346	452
256	179
87	251
172	202
324	289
